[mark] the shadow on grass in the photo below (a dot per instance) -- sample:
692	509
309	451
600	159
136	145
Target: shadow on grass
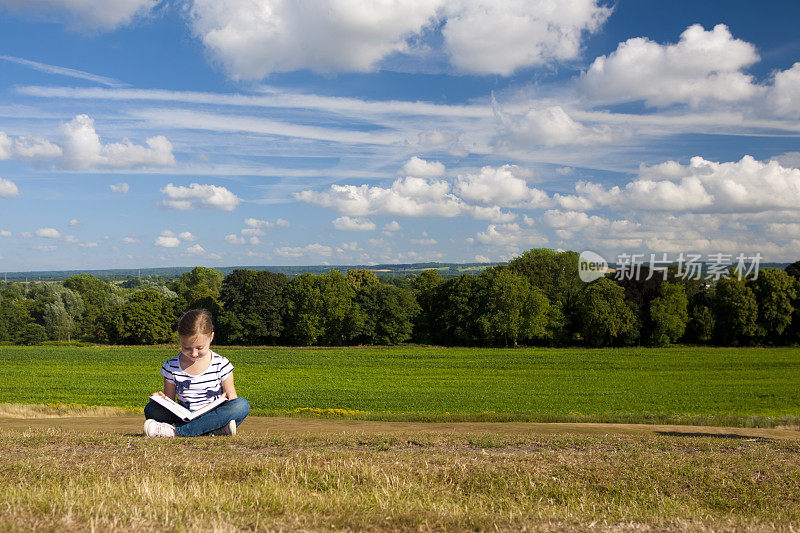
714	435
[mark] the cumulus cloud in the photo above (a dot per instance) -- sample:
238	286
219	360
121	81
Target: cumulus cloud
501	186
82	149
48	233
27	147
8	188
167	239
5	233
346	223
196	250
120	188
257	223
747	185
253	38
784	95
234	239
391	227
489	37
409	197
301	251
197	196
551	126
420	168
75	223
253	232
482	259
703	65
187	236
130	240
80	14
510	236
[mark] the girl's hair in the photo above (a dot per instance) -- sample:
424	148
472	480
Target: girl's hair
195	321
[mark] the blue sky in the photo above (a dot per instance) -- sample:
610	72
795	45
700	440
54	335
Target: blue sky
148	133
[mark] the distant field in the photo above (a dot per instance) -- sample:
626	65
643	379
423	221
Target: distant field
751	387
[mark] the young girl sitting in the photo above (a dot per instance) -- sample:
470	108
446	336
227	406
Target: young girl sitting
194	378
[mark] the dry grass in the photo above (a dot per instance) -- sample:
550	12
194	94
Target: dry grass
61	410
53	479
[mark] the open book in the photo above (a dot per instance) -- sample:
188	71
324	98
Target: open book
183	412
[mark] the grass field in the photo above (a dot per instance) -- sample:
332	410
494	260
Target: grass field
713	386
57	480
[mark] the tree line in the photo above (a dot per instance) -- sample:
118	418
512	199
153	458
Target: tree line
537	299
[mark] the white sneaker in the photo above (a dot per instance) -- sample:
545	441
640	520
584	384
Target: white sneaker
227	429
153	428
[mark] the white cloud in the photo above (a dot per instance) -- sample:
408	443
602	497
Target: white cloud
27	147
482	259
197	196
510	236
257	223
82	149
501	186
253	38
187	236
8	188
120	188
301	251
489	37
551	126
784	95
196	250
409	197
85	15
429	241
167	239
129	240
346	223
391	227
234	239
75	223
5	233
45	248
703	65
747	185
420	168
63	71
48	233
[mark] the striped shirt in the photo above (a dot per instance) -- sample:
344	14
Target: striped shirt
193	392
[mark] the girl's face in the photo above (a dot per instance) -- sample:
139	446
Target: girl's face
197	346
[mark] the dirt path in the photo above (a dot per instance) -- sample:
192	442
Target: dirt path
289	426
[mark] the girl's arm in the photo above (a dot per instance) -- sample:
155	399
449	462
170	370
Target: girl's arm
228	389
169	390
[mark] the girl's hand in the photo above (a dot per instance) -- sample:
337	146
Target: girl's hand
160	393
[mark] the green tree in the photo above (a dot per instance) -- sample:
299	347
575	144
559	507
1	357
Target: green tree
669	314
147	318
388	313
425	287
197	284
606	317
15	315
700	327
556	274
359	278
735	311
98	297
321	309
32	334
774	291
253	304
457	310
511	308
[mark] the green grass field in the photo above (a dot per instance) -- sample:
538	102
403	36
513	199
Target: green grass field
750	387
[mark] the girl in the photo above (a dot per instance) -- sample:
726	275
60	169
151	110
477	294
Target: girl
196	376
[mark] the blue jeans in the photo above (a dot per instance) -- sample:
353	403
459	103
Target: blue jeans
236	409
